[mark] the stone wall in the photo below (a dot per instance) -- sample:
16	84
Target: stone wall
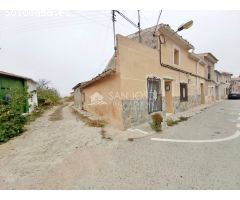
134	112
77	98
182	106
147	37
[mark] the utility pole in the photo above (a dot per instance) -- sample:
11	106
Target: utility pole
114	34
139	27
154	33
127	19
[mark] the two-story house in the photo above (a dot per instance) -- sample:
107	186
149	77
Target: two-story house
235	85
212	86
160	74
218	85
226	83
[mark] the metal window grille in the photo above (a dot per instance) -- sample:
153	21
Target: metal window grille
154	95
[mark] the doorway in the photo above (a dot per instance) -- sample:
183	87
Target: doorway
168	97
202	94
217	92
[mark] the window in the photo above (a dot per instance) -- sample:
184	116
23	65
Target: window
183	92
83	97
154	95
209	72
176	56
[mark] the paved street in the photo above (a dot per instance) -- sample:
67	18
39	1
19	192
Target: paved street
147	164
200	153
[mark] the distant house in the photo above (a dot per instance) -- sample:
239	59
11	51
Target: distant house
226	83
211	85
235	85
161	74
9	81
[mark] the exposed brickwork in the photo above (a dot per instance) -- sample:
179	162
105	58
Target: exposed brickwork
146	38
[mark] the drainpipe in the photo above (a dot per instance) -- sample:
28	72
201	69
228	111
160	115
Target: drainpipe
172	67
197	67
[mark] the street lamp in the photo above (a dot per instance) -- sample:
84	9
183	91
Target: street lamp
186	25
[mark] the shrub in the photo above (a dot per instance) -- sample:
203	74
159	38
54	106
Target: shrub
69	98
156	123
12	120
47	96
37	112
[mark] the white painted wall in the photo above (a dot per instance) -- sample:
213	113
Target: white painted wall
32	91
77	98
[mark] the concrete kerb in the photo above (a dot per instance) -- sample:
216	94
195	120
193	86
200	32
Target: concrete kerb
143	130
85	113
189	113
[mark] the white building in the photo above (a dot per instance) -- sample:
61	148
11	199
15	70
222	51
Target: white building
222	87
235	85
32	94
9	81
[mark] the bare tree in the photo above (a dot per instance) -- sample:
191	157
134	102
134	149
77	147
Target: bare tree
43	84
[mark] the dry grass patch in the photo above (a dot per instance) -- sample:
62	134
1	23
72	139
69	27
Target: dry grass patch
79	116
171	122
88	121
92	123
182	119
95	123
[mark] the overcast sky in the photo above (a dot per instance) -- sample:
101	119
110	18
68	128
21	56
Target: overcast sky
74	46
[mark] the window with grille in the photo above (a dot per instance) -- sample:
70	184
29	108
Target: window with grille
183	92
154	95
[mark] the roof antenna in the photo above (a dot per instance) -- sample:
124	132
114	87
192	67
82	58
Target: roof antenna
154	33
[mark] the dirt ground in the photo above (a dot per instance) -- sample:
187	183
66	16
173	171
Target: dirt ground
58	150
67	154
52	154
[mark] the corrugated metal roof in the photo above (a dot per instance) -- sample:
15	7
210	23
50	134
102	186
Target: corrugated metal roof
16	76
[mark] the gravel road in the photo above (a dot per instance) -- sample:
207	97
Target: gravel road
26	161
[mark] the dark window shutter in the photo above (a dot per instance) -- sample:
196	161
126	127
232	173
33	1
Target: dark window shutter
181	92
